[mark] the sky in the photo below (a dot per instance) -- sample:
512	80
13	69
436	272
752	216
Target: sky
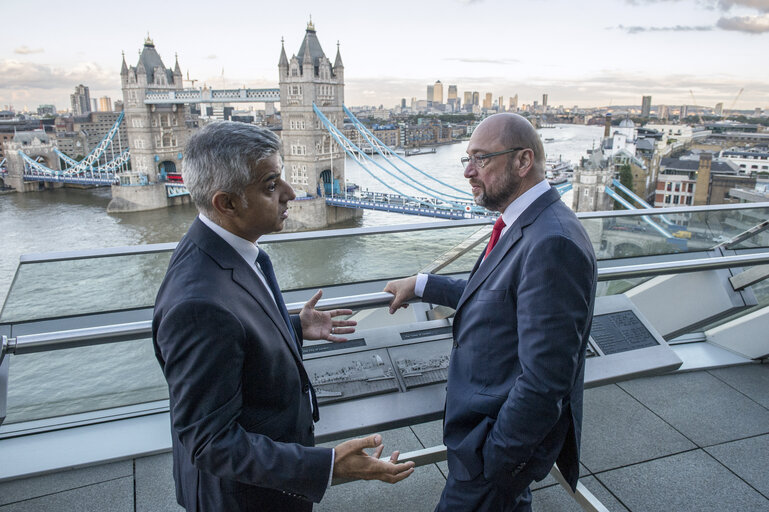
588	53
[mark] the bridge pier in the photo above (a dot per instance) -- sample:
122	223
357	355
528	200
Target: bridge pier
311	214
139	198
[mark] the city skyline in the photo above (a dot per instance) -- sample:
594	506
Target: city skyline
622	51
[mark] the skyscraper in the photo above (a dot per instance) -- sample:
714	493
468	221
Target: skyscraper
487	101
452	100
514	103
81	100
437	93
476	98
719	109
430	95
544	101
105	104
501	104
646	106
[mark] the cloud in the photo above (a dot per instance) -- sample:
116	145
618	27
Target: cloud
760	5
751	24
472	60
15	74
678	28
26	50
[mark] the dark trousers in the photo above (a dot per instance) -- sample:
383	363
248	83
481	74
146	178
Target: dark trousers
481	495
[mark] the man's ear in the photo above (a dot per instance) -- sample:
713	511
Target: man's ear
526	158
224	204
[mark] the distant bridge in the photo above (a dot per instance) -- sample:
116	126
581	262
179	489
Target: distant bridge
94	169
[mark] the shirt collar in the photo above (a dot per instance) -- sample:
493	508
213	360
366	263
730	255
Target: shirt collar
247	249
519	205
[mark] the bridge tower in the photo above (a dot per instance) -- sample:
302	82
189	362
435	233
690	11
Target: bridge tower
36	145
156	133
313	162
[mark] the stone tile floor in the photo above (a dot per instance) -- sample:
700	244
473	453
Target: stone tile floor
694	441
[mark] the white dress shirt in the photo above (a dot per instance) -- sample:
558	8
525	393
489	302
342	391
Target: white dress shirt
510	215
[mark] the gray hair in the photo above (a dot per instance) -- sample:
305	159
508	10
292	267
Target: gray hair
222	156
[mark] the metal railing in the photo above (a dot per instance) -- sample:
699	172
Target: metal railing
32	343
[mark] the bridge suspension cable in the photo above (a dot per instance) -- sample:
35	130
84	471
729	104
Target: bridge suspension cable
629	206
381	148
355	152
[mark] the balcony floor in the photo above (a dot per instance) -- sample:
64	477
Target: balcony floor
696	441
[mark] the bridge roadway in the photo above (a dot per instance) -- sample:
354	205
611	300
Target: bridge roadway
175	97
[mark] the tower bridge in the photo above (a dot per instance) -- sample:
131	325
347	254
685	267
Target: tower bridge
157	117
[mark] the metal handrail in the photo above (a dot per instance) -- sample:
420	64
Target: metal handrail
31	343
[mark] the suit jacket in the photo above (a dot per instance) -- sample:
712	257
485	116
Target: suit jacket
241	422
514	393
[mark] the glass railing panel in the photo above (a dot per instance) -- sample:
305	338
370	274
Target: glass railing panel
638	234
54	289
350	259
85	379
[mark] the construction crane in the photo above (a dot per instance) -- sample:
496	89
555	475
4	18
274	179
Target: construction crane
695	106
731	107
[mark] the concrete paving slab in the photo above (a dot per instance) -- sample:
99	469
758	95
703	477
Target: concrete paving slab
556	499
430	433
748	459
418	493
701	407
114	495
402	439
155	488
617	431
691	481
752	380
34	487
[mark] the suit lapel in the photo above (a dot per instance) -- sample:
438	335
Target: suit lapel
505	244
242	274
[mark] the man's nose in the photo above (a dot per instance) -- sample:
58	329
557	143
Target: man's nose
287	194
470	170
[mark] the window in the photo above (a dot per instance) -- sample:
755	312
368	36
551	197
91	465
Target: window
667	199
669	186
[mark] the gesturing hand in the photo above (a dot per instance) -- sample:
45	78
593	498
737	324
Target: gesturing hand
352	462
320	325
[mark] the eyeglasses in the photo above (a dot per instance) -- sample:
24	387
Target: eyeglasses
479	161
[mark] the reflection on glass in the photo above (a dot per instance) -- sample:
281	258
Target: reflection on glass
84	379
76	287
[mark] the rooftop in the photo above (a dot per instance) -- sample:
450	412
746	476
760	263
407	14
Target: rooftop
690	441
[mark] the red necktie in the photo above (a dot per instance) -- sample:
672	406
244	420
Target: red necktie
495	232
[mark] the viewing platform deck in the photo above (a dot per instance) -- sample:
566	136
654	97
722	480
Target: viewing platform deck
690	441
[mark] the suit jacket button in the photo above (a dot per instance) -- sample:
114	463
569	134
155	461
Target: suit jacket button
312	428
455	344
305	388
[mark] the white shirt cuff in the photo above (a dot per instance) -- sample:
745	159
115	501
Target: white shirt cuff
419	287
331	471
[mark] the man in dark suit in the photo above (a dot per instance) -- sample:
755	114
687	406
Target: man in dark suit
242	406
514	393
